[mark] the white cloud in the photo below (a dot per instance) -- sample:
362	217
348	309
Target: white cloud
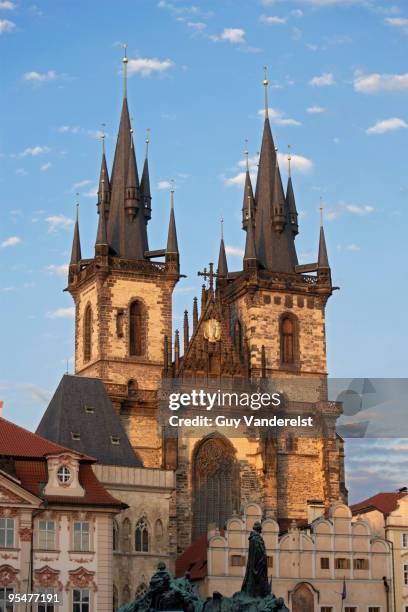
278	117
64	129
80	184
336	211
21	172
232	35
34	151
314	110
62	313
199	26
323	3
353	247
57	222
273	19
163	185
40	77
92	193
376	82
234	251
10	242
146	67
237	179
45	167
303	164
397	22
61	270
297	13
6	25
324	80
6	5
387	125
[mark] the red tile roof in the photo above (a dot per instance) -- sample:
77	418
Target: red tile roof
16	441
193	560
384	502
29	452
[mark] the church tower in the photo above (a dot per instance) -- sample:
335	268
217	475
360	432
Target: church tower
123	298
268	327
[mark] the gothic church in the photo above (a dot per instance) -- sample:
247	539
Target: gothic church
270	325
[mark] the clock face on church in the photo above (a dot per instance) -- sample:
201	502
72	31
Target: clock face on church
212	330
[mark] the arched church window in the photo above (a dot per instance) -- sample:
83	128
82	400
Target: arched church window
288	340
216	484
132	389
141	590
88	333
126	530
136	328
115	534
125	595
142	536
115	599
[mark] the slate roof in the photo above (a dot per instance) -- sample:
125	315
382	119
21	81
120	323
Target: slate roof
27	454
383	501
81	406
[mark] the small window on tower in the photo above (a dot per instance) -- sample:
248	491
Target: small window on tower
88	334
136	328
115	440
288	340
75	435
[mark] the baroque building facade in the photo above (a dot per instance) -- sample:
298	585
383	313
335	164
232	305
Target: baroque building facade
261	325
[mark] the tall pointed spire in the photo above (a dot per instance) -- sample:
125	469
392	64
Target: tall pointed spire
101	244
146	196
274	238
248	191
250	259
222	270
76	254
290	198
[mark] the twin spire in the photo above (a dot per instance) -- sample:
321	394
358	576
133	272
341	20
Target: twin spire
124	202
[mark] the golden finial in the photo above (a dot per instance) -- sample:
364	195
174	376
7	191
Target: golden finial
222	227
172	194
266	84
125	63
131	126
147	141
77	206
321	211
246	153
103	136
289	160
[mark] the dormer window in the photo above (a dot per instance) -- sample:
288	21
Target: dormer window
75	435
64	474
115	440
89	409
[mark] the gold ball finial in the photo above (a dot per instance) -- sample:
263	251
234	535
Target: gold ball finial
266	81
147	141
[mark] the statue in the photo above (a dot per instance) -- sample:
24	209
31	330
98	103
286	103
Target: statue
256	576
167	593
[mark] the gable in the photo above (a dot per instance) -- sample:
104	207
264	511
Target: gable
12	493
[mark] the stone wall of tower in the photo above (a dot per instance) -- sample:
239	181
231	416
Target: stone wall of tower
108	295
260	315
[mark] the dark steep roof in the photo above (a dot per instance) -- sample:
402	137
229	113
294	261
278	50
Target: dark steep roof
81	405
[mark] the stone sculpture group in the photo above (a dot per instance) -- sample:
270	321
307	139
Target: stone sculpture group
171	594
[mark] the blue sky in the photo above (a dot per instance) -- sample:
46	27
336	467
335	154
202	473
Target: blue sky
338	96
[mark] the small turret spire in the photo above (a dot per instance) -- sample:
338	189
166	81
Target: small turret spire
266	85
132	183
172	252
76	254
145	182
250	261
323	260
290	199
104	184
222	270
125	61
248	191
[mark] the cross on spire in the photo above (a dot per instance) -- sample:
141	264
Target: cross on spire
125	61
209	274
266	85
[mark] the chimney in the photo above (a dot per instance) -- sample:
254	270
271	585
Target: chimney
315	509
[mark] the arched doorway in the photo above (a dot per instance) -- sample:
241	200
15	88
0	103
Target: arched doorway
302	599
216	487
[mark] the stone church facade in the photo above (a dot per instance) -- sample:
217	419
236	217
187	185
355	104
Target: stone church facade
268	322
